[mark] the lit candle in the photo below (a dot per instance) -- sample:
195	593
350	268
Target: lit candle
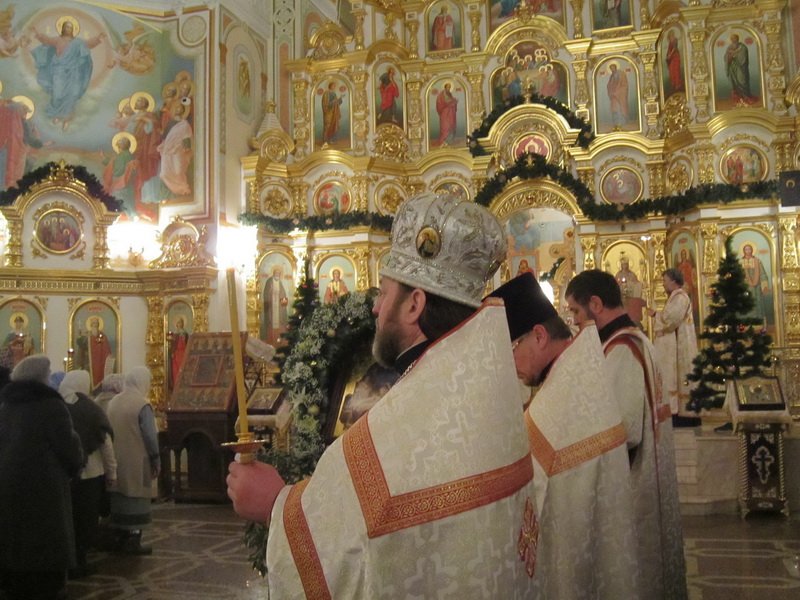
238	361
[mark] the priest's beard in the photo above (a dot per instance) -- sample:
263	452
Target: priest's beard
386	345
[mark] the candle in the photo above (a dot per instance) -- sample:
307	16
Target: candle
238	361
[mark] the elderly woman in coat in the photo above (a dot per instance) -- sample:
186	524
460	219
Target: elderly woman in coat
138	461
94	429
39	453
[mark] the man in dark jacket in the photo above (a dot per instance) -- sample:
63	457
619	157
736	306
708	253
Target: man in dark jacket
39	452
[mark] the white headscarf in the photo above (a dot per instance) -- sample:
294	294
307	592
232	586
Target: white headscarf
32	368
138	380
112	383
74	382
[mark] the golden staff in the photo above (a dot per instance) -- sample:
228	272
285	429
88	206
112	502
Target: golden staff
245	445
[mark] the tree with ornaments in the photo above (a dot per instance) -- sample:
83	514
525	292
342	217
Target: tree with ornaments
306	301
736	345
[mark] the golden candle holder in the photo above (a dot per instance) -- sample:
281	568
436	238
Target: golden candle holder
245	445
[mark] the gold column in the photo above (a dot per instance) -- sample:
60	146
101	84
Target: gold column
587	175
389	19
580	65
790	270
200	308
648	56
14	247
577	18
415	120
100	254
705	163
299	192
358	34
475	17
360	112
154	356
656	175
659	241
589	246
361	256
776	78
476	99
697	36
360	187
302	118
783	147
710	260
413	45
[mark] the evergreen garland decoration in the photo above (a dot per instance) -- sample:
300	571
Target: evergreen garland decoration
318	222
552	272
324	343
533	166
737	344
81	173
585	136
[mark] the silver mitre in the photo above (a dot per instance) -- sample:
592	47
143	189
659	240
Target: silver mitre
445	246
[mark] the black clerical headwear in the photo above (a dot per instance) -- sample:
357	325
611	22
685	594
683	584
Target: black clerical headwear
526	304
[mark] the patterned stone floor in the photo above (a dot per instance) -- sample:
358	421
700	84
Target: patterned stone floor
199	555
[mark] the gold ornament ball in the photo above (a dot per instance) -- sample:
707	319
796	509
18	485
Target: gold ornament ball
313	410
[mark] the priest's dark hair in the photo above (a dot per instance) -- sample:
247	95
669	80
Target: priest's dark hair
675	275
595	282
440	314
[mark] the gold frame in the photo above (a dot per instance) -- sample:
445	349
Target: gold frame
50	210
777	291
72	332
759	393
763	162
608	173
315	201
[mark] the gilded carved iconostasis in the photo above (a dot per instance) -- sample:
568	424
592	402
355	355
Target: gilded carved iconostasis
625	135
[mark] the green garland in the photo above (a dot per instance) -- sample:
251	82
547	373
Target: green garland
532	166
585	136
318	222
327	340
81	173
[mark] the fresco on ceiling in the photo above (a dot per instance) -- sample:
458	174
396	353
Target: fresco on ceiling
101	89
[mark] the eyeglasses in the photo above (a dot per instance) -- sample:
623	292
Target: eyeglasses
519	340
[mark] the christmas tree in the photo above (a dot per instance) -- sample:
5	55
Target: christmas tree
737	343
306	300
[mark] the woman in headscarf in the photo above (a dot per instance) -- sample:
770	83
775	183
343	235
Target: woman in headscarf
111	386
39	452
94	429
138	462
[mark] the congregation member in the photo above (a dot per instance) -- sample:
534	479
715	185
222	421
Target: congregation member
587	540
88	489
635	381
676	346
138	461
110	387
430	492
39	453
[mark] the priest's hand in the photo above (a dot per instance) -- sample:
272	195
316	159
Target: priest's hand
253	488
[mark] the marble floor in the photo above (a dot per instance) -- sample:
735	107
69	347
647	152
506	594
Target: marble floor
199	554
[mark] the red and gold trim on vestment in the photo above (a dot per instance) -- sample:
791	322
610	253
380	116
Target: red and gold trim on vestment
557	461
384	513
301	543
652	378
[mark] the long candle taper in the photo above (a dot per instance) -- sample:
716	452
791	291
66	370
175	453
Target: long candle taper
238	361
